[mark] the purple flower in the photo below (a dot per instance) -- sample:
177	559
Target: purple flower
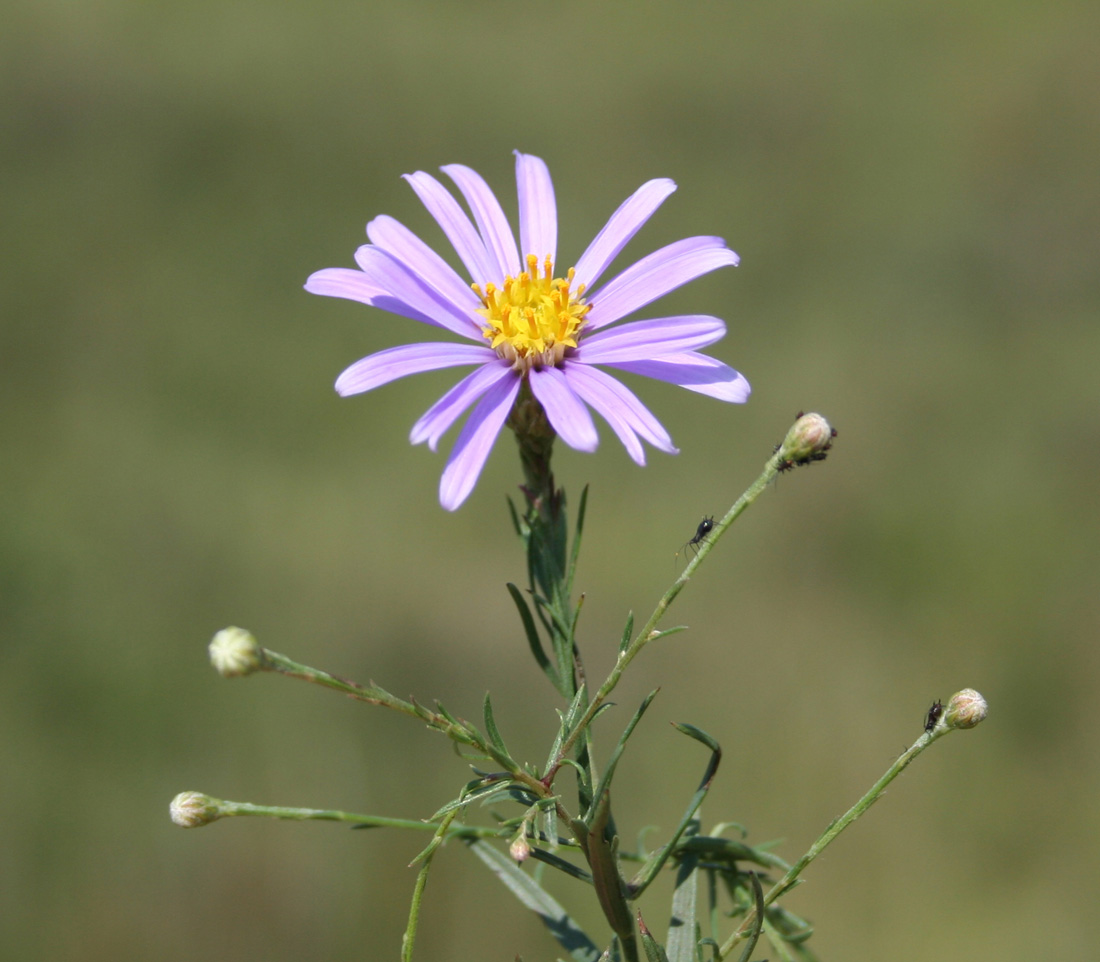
522	320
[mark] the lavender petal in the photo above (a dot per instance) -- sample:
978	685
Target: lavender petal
609	412
396	239
607	395
345	282
538	212
489	216
374	370
696	372
620	228
409	295
474	443
456	225
564	409
449	408
645	339
655	275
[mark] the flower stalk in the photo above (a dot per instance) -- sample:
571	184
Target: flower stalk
873	794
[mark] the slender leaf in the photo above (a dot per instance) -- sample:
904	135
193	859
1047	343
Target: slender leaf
576	541
521	529
674	630
758	918
533	639
683	927
569	935
730	850
408	940
628	631
605	781
568	722
472	791
491	728
510	793
561	864
649	871
654	952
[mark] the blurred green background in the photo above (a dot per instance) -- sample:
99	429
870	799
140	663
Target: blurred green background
913	190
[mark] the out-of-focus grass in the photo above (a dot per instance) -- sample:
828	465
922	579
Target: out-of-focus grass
913	193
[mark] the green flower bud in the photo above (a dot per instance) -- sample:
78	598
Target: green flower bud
193	809
235	653
520	849
965	709
807	441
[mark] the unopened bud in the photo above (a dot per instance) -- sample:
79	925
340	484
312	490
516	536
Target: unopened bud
192	809
807	441
234	653
965	709
520	850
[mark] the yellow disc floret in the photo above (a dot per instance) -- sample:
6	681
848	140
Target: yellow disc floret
533	318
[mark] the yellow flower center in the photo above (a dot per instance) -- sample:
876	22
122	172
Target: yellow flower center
533	318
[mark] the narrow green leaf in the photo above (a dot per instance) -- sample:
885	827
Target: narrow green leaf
758	918
683	927
521	529
653	949
568	722
649	871
793	929
628	632
408	940
712	848
609	773
569	935
471	792
533	639
447	715
576	616
674	630
511	793
491	727
561	864
700	736
576	541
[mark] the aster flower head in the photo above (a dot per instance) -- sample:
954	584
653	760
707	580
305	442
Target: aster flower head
526	322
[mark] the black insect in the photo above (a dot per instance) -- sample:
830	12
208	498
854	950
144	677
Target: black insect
933	715
706	526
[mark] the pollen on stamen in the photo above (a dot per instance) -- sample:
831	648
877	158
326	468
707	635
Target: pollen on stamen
533	318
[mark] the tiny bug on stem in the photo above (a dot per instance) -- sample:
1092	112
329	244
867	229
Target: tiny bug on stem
706	526
933	715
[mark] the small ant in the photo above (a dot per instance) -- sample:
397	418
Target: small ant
933	715
706	526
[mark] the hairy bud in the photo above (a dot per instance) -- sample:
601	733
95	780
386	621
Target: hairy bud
194	809
965	709
807	441
235	653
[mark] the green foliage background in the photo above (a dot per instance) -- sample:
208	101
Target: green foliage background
913	190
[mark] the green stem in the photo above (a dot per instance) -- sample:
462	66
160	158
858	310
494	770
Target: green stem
273	661
228	809
771	468
408	940
834	829
457	730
